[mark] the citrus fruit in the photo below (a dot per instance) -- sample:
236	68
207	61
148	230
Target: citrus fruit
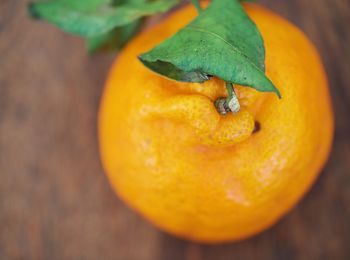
199	175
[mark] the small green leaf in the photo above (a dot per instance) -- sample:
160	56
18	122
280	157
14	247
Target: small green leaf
90	18
115	39
222	41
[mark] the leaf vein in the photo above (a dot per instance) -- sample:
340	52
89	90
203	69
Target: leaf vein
193	28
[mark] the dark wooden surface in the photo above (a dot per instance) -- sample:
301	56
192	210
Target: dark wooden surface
55	202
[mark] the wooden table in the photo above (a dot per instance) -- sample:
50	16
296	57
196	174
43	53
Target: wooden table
55	202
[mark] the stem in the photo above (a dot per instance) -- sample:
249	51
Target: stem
232	100
230	91
197	5
228	104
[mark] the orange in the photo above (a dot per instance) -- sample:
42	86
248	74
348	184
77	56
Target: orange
206	177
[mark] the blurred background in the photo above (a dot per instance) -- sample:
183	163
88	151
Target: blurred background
56	203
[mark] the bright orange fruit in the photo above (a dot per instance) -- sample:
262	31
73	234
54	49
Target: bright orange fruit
202	176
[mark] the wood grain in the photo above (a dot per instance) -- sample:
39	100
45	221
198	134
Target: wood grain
55	202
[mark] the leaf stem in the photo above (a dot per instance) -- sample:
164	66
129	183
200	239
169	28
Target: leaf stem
229	88
232	100
197	5
228	104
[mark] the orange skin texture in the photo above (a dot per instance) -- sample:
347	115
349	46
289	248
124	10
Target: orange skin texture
202	176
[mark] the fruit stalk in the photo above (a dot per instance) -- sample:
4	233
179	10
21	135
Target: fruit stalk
228	104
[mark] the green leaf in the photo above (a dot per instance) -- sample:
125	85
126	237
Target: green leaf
222	41
90	18
115	39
